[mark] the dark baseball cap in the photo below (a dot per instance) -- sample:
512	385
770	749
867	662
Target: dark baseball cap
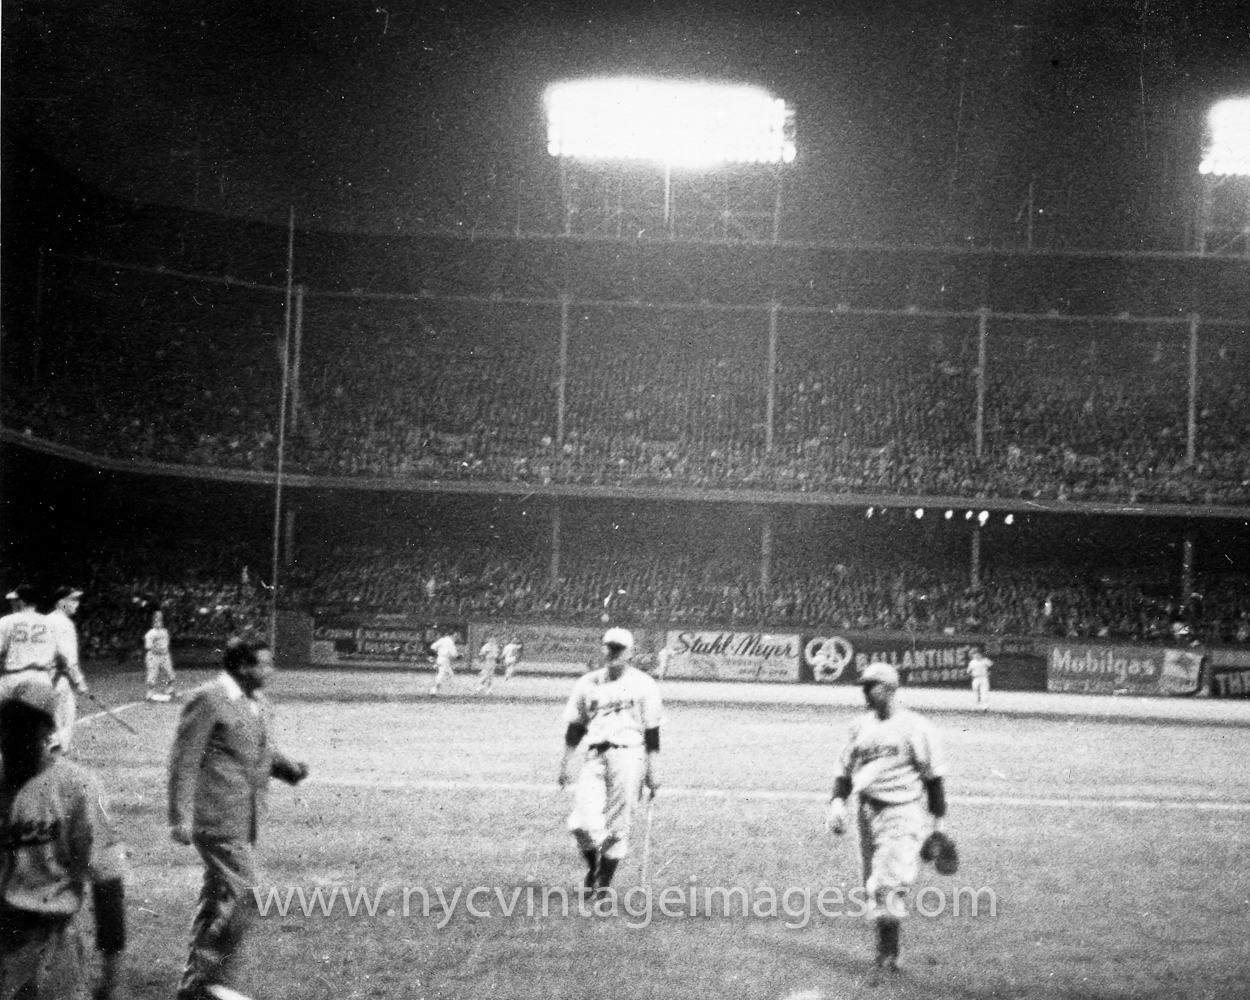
64	592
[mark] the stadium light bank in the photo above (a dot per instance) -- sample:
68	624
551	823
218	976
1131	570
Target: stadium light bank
1228	147
687	125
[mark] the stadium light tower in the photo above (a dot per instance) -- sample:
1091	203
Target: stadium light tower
598	128
1224	207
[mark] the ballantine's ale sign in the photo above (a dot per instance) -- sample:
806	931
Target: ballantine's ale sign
733	656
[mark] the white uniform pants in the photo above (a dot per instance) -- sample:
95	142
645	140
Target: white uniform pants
66	713
981	689
890	838
157	667
603	801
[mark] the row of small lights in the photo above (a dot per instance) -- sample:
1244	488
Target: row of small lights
982	518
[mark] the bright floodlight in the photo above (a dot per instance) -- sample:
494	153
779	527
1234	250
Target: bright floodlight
679	123
1229	151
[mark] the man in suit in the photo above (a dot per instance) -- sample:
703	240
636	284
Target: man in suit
219	770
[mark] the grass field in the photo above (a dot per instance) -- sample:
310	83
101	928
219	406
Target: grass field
1115	848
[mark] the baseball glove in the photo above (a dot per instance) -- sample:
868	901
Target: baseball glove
940	849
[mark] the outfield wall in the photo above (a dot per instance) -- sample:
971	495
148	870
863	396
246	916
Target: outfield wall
345	640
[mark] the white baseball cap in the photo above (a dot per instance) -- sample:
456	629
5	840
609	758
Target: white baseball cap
879	673
622	637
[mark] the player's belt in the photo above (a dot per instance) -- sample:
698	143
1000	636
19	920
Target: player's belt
600	747
45	668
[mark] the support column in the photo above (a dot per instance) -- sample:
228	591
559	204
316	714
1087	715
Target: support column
289	540
983	323
562	363
974	575
1187	571
766	549
553	579
771	398
295	365
1191	439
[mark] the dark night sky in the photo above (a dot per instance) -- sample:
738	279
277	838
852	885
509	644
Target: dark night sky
409	116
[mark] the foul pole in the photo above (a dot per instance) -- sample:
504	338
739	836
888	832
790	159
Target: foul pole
277	479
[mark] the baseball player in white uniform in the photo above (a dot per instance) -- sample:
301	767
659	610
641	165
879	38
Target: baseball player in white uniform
511	657
69	680
616	711
661	662
979	670
489	656
28	646
444	649
893	762
158	663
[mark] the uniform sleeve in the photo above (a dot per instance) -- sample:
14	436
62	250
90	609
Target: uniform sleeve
575	711
67	647
846	756
149	641
652	710
927	751
195	727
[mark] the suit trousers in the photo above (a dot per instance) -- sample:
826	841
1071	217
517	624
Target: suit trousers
224	914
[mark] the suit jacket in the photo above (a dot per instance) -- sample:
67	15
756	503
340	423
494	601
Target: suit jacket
221	762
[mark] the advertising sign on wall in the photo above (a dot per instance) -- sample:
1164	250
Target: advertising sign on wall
549	649
922	661
733	656
375	640
1087	668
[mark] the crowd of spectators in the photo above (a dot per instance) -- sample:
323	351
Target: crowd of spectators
416	390
207	602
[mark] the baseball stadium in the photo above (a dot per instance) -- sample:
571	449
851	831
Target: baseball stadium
440	469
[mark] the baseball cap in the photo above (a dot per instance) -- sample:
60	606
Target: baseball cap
23	592
879	673
63	592
35	693
619	637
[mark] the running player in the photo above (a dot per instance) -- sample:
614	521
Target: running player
616	710
511	656
444	650
893	761
158	664
54	839
488	656
979	670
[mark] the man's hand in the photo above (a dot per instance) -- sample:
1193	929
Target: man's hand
300	773
652	779
181	834
565	776
835	818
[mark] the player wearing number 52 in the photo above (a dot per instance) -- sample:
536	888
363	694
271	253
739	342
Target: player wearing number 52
219	771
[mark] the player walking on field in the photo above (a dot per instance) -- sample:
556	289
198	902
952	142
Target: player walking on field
892	760
488	656
444	650
979	670
55	839
70	681
158	664
616	711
